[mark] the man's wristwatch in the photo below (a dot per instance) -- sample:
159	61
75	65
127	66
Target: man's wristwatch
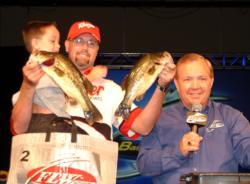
164	89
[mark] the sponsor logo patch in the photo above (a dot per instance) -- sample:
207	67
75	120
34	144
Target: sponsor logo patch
60	175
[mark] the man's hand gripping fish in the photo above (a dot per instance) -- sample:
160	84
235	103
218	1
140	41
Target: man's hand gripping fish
139	80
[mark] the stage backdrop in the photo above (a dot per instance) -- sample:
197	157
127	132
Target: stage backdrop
231	87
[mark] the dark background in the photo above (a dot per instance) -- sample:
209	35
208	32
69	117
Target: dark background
139	26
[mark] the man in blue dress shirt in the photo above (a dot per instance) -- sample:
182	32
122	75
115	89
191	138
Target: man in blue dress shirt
172	150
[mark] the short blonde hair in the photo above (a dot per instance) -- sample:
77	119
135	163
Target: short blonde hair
192	57
34	29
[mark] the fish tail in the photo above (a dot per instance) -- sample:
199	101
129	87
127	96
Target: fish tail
93	115
96	114
90	117
123	110
90	122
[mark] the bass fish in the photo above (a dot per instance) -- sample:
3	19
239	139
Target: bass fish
139	80
70	80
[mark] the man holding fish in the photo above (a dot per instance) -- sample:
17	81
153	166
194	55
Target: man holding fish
117	109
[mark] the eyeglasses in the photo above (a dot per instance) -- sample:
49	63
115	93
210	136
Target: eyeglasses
80	42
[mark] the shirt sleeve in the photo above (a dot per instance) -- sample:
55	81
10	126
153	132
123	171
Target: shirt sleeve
240	133
125	125
14	100
12	128
15	97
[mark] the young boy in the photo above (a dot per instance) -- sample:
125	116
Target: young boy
39	94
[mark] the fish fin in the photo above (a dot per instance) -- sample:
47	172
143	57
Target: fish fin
72	101
90	122
96	114
139	98
88	85
59	72
124	82
123	110
93	115
151	70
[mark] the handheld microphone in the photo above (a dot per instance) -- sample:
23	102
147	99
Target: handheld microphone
195	118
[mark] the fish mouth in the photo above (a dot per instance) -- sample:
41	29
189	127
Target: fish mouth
158	63
48	62
160	59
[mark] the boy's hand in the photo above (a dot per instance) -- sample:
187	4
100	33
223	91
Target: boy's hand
32	72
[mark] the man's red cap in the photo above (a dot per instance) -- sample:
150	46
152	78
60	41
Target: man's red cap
81	27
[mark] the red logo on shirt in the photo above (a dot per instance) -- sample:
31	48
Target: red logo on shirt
96	90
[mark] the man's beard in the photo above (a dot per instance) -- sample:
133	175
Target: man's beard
82	63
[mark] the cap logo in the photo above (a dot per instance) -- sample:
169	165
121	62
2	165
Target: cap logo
82	27
85	24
